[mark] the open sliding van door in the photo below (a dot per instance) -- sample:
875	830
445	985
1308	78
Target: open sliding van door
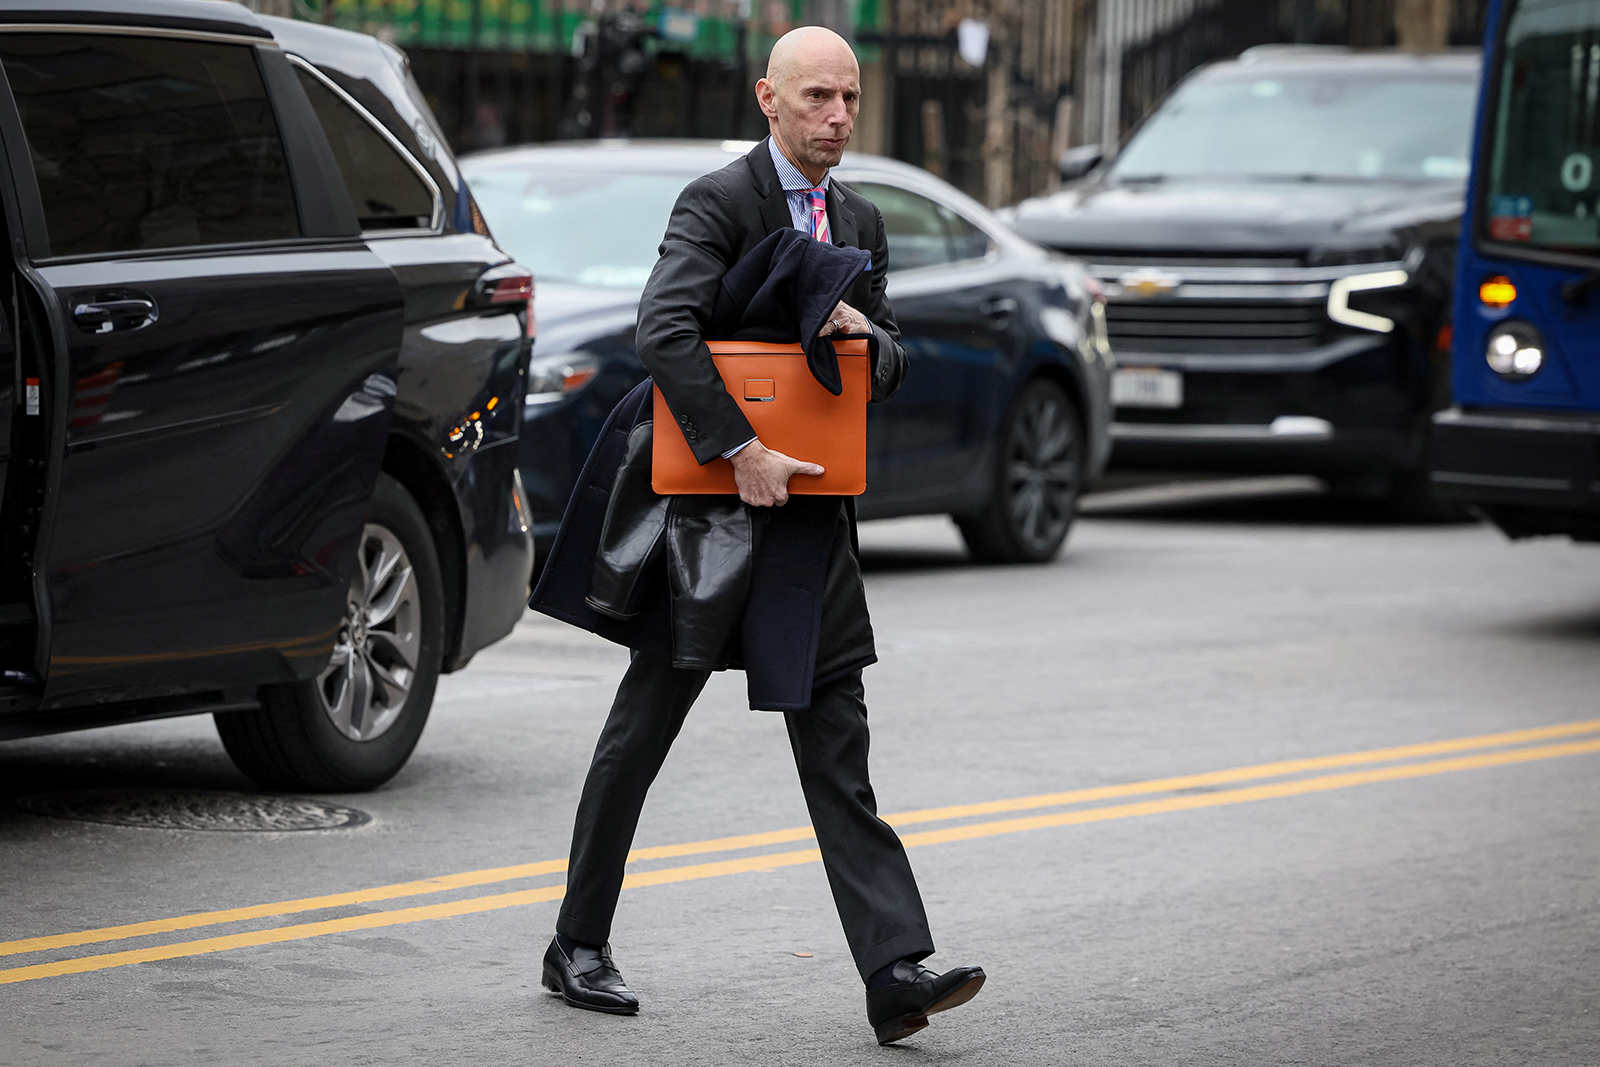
27	431
223	352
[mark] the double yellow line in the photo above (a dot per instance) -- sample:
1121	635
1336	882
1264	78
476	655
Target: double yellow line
1488	750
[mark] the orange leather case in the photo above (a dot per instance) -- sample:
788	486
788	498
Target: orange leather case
789	410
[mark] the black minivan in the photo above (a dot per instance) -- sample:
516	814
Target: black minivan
262	368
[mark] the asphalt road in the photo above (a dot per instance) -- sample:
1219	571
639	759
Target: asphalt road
1286	784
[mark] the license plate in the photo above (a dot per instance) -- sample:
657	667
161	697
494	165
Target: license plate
1147	387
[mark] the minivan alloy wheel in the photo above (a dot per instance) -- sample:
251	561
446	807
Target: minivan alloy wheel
365	684
353	725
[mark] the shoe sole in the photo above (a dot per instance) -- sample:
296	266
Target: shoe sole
894	1029
959	995
553	984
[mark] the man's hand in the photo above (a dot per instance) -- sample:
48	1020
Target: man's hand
845	319
763	475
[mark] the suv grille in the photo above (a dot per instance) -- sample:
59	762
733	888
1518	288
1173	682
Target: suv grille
1207	326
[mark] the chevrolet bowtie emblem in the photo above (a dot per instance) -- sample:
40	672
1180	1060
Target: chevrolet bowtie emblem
1148	282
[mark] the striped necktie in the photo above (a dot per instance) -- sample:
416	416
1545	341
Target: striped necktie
819	213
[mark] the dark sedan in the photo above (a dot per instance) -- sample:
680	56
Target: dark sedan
1277	244
1004	415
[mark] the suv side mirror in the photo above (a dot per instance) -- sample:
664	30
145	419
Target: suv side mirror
1076	162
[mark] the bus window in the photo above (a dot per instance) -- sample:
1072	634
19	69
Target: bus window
1543	159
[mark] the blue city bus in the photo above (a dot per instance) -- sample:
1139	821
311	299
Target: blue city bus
1521	442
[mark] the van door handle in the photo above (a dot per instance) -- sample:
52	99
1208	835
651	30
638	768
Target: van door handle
127	313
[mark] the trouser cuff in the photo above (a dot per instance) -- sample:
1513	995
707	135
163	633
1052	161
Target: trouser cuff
914	945
586	933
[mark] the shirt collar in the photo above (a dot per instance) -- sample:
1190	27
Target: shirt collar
789	176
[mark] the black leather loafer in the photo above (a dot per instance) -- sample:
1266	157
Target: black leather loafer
902	1009
588	979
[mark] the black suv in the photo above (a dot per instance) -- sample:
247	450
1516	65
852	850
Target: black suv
1277	243
263	368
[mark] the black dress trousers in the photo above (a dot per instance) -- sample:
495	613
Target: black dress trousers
873	887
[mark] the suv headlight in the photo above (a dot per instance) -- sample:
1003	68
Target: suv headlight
1515	350
1340	311
551	378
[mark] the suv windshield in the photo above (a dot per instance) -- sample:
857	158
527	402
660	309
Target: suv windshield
579	226
1317	123
1546	132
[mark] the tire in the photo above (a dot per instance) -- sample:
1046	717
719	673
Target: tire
1038	477
353	726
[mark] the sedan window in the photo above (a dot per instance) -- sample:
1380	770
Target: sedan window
922	232
967	240
585	227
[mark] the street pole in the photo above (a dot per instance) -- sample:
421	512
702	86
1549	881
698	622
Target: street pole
741	94
1422	25
891	70
469	90
1110	23
998	120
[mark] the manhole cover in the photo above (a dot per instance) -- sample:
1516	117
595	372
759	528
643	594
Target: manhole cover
193	809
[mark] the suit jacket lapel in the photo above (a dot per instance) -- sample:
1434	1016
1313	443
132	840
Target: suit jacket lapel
774	203
841	220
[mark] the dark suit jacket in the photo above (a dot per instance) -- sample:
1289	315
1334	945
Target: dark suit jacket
706	580
718	219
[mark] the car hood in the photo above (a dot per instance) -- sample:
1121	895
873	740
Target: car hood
1235	216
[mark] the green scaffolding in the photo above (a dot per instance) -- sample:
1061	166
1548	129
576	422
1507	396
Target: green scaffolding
547	26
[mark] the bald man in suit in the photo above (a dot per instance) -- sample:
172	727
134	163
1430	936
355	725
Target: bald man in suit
810	97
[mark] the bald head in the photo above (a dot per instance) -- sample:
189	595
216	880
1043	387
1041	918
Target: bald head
810	96
809	48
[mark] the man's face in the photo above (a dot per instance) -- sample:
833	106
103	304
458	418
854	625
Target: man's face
813	111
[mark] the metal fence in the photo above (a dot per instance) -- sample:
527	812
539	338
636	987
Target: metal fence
612	87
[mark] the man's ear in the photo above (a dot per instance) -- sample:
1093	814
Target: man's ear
766	94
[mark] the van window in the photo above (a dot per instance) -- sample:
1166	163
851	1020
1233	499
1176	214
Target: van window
143	143
388	193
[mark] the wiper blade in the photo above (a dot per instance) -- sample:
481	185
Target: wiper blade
1140	179
1290	178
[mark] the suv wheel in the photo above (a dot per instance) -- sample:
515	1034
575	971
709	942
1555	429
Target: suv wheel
1039	475
353	726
